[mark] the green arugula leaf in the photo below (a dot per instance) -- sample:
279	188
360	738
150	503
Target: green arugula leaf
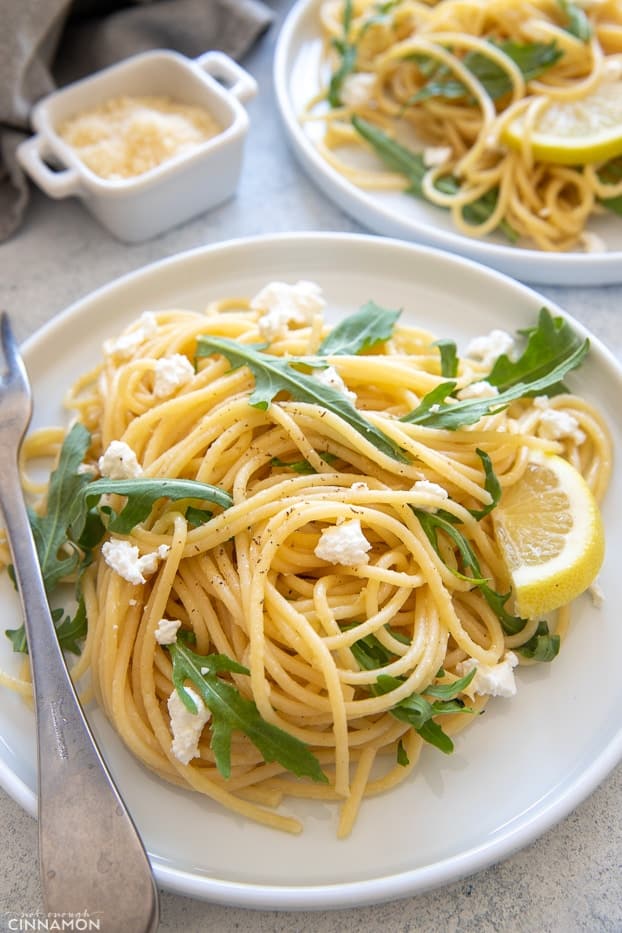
402	756
577	22
549	343
416	710
197	517
141	494
348	53
273	375
611	174
491	485
454	415
360	331
410	164
50	530
231	711
542	646
69	631
532	58
297	466
449	357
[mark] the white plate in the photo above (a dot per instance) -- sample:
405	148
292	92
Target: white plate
526	765
296	75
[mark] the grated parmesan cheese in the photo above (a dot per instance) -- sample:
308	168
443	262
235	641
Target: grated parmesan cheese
127	136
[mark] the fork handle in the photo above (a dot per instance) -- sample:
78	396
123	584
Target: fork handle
90	853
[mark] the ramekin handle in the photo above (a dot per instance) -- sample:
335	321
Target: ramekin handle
220	66
31	156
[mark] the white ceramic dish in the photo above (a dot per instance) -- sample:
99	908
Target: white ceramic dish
190	183
296	80
512	776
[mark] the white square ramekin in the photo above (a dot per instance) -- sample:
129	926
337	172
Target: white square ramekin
186	185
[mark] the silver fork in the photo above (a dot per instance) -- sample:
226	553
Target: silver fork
91	857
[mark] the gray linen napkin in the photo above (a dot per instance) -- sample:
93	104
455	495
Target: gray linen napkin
47	44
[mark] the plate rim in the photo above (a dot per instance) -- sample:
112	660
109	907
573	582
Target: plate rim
528	265
397	884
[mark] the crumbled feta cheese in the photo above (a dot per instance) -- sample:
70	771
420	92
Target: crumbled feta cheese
359	487
186	726
343	544
119	462
330	377
555	425
481	389
124	559
166	631
592	243
495	680
487	349
280	303
597	595
357	89
436	155
171	372
124	346
432	489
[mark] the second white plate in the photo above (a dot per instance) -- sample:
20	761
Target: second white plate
296	75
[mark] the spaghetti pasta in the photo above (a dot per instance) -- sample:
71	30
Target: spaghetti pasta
346	624
426	97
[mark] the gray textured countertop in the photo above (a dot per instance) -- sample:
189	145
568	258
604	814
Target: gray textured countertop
570	879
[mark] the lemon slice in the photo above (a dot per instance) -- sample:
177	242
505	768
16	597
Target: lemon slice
575	132
550	532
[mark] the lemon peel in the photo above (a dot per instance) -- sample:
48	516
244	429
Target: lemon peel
550	531
577	132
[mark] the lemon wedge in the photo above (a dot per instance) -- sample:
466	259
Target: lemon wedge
575	132
550	532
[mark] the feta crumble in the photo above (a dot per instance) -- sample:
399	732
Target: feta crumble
436	155
171	372
358	88
487	349
280	303
331	378
125	560
166	631
186	726
119	462
343	544
480	389
495	680
125	346
555	425
432	489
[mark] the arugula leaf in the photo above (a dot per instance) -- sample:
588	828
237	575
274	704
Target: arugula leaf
449	357
418	712
348	52
410	164
542	646
402	756
532	58
69	631
298	466
611	174
231	711
550	342
360	331
491	485
141	494
577	24
50	530
273	375
454	415
197	517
